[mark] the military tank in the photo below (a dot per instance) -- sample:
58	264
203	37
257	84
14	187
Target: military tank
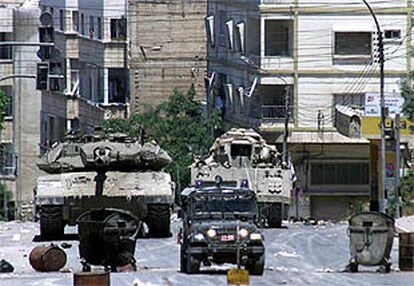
242	156
104	171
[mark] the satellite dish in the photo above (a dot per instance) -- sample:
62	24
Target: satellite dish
46	19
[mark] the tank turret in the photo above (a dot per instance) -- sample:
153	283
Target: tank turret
104	170
103	152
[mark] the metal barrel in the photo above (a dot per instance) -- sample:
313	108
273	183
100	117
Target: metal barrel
406	251
91	279
47	258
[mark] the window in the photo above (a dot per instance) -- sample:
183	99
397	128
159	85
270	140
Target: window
5	51
74	77
56	78
7	159
347	173
82	24
392	34
353	44
99	28
357	99
91	26
118	29
7	89
278	40
273	102
62	20
117	85
75	21
241	150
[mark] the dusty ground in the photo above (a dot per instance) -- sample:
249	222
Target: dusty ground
296	255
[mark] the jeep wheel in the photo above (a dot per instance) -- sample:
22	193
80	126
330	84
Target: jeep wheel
274	219
193	264
256	267
158	221
51	222
183	261
272	212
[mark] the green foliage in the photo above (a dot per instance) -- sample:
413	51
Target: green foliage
180	128
4	102
407	92
407	189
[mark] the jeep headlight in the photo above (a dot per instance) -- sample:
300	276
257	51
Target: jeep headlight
211	232
243	233
255	236
199	237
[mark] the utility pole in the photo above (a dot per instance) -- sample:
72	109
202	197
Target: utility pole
286	130
397	165
382	202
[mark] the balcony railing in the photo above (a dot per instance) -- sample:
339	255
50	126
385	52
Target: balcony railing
275	111
272	2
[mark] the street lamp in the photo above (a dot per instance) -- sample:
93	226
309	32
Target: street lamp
382	202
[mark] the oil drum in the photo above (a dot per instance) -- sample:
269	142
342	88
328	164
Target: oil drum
47	258
91	279
406	251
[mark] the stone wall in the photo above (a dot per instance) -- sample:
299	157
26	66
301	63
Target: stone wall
168	50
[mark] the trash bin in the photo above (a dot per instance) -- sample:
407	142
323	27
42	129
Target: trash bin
107	237
371	235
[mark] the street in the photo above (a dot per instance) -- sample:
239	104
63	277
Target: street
296	255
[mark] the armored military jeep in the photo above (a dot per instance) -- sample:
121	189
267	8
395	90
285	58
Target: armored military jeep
220	226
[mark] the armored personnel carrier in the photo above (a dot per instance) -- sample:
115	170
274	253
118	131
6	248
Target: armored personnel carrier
242	155
104	171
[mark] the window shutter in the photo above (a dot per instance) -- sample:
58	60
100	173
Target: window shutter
230	34
241	36
209	22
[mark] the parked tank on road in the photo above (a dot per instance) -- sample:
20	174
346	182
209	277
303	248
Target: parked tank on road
104	171
243	155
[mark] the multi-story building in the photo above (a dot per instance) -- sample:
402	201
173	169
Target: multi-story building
270	58
20	136
92	39
168	50
87	80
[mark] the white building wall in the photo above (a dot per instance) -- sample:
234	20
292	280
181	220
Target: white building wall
316	93
319	76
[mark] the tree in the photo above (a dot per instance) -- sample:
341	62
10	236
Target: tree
407	92
407	189
180	128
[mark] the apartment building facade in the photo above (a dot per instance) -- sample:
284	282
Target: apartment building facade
87	81
270	58
168	50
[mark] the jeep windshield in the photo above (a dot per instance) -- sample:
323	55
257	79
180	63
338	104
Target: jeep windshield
226	204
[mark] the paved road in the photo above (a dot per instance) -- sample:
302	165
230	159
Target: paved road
296	255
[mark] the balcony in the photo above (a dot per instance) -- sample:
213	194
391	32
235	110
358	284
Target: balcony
275	112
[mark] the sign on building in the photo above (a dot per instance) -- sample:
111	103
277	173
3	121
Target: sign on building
392	101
